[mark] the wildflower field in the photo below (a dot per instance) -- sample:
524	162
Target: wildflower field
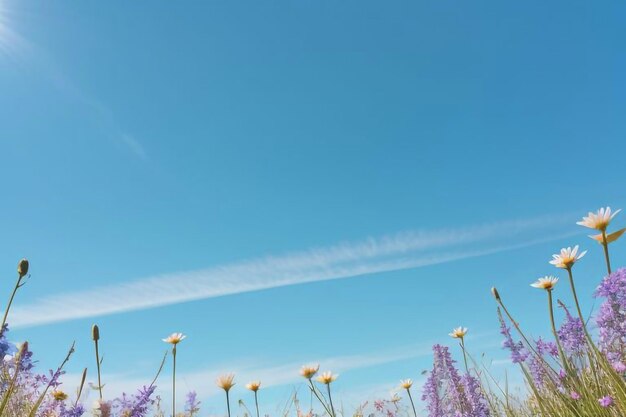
580	371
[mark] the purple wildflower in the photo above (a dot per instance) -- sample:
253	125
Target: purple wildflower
478	406
606	401
136	405
571	333
574	395
518	352
447	394
612	316
192	405
619	367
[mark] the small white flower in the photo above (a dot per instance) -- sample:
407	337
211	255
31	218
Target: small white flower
327	377
406	383
458	333
599	220
308	371
545	283
226	382
254	385
174	338
568	257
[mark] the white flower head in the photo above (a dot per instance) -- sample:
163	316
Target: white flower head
406	383
308	371
327	377
174	338
226	381
458	333
545	283
599	220
254	385
568	257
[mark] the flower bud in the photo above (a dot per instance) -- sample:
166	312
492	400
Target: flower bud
22	267
495	293
95	332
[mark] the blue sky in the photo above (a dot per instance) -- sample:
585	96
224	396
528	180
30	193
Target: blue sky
178	165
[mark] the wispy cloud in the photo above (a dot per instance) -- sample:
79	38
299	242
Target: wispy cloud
135	146
373	255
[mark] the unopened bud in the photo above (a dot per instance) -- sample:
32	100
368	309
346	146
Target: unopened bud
495	293
22	267
95	332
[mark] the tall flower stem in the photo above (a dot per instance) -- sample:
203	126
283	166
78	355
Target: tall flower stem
95	336
464	356
174	382
408	391
556	335
228	403
317	394
18	284
256	403
605	245
330	400
98	369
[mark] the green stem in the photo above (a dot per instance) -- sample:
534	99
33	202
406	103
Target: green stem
464	355
256	402
408	391
590	351
605	245
98	368
6	312
556	335
330	399
314	391
227	403
174	382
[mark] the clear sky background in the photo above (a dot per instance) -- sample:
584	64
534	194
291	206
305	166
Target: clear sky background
212	167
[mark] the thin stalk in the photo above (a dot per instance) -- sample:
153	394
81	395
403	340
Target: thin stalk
228	403
80	388
314	391
174	382
464	354
6	312
256	403
330	399
98	368
556	335
580	313
519	330
35	408
408	391
605	245
590	351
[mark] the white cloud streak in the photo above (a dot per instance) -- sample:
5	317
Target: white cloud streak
373	255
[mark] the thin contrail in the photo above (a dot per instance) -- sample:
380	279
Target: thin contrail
373	255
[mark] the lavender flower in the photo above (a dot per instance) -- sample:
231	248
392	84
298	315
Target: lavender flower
612	316
518	352
571	333
606	401
447	394
192	405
